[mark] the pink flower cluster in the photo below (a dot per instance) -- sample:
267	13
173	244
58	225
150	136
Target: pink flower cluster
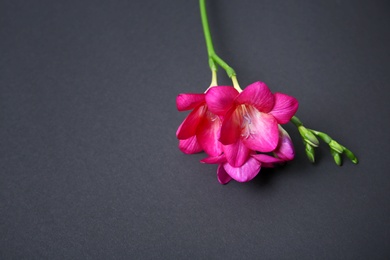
240	131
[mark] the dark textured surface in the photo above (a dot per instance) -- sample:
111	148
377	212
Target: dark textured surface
89	165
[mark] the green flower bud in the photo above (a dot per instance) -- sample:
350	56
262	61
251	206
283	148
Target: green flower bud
350	156
310	152
336	157
336	146
308	136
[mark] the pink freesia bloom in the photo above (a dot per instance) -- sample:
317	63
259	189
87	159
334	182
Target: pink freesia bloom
250	119
201	129
244	173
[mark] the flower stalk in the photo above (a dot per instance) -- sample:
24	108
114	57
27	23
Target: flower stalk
309	137
214	59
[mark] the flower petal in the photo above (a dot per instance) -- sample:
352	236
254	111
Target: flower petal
244	173
231	127
222	175
189	101
237	153
189	126
214	160
285	107
258	95
190	145
260	130
220	99
285	149
208	134
265	158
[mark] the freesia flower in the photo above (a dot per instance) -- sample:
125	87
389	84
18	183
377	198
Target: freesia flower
243	173
250	119
241	129
200	129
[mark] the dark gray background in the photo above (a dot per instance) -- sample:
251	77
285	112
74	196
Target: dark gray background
88	156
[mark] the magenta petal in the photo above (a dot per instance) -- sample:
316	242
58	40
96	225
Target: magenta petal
258	95
188	128
189	101
236	154
260	131
208	134
214	160
285	107
264	158
190	145
220	99
179	128
244	173
231	127
285	149
222	175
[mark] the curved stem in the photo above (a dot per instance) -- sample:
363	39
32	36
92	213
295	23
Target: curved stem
229	70
214	59
206	28
295	120
235	83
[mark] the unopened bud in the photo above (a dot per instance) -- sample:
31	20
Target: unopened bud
336	146
310	152
336	157
350	156
308	136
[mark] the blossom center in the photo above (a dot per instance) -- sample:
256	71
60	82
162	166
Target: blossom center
211	116
247	128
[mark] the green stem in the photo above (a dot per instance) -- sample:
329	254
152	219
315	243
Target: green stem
229	70
206	28
295	120
213	57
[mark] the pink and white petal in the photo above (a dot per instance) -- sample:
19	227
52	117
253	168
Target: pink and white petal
188	128
189	101
244	173
222	175
260	132
190	145
236	154
285	149
231	127
214	160
266	159
220	99
258	95
179	128
285	107
208	134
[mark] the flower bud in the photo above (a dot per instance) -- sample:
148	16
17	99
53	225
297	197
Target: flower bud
308	136
350	156
336	157
336	146
310	152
